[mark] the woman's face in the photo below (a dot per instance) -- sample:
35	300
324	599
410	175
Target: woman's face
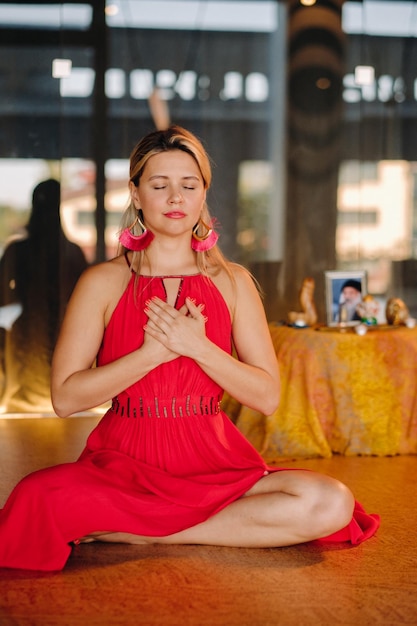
170	193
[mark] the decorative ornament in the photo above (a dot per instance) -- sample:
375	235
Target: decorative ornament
396	312
308	316
368	310
136	242
202	243
361	329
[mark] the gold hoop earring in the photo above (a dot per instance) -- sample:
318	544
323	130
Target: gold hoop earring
201	243
136	242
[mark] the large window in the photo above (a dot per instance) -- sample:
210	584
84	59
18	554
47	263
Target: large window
310	124
165	62
82	82
377	196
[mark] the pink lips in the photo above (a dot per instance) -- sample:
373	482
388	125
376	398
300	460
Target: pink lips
175	215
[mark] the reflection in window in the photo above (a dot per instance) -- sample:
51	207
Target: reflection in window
375	217
59	15
79	83
357	217
255	188
141	84
228	15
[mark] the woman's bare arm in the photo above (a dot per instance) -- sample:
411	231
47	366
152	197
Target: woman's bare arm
76	385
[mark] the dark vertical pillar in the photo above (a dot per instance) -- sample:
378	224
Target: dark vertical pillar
100	121
268	271
315	78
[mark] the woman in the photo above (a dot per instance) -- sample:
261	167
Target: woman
165	464
39	273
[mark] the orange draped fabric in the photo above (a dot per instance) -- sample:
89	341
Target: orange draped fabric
341	393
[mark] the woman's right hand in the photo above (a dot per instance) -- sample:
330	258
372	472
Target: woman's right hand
159	353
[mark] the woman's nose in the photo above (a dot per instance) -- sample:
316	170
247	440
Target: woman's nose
175	197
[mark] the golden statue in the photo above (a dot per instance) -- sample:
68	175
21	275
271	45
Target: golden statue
396	312
308	315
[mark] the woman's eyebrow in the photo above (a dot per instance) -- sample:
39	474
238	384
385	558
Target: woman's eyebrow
191	177
188	177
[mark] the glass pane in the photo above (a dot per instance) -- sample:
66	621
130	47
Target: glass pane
164	62
173	58
377	195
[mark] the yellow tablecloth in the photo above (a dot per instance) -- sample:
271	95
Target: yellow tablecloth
341	393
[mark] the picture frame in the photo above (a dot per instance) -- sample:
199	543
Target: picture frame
335	282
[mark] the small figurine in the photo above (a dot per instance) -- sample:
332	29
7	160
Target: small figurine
368	310
308	316
397	312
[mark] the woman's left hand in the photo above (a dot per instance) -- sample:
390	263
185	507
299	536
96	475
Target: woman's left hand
179	330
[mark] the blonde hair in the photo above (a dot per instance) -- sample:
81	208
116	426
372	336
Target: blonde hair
173	138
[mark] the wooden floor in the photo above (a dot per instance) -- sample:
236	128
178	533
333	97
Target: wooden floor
375	583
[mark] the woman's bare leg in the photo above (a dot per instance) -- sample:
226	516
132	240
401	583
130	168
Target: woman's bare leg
283	508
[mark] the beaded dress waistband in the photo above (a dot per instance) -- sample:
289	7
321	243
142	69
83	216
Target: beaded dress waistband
189	405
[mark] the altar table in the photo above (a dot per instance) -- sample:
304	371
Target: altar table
341	393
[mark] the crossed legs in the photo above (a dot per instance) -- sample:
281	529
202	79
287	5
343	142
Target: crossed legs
283	508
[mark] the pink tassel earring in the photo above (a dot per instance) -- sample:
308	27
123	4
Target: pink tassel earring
202	243
136	242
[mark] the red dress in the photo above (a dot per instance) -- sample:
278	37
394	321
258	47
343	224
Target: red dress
163	458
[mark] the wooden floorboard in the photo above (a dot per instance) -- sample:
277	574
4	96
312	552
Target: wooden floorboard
374	583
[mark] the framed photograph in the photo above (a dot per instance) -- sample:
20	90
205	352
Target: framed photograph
344	291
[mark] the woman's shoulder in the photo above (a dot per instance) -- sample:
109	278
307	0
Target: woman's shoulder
233	274
239	271
230	269
235	283
110	276
100	288
241	277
